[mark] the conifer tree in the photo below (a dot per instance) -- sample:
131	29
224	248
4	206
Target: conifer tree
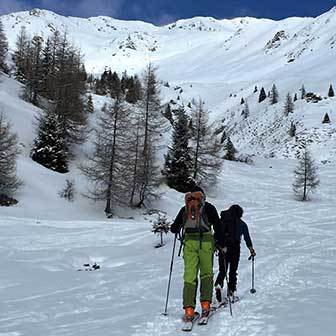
242	101
230	150
295	97
305	176
223	137
21	55
326	119
331	91
206	147
34	72
289	105
292	130
178	160
106	169
150	126
50	146
3	49
274	95
246	111
262	95
89	105
255	89
9	182
303	92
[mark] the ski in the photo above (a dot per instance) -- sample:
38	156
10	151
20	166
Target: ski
203	320
188	325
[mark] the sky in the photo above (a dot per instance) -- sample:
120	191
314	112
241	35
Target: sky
165	11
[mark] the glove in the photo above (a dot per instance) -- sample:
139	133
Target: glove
253	253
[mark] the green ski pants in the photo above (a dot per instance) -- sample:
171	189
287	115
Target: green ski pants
198	258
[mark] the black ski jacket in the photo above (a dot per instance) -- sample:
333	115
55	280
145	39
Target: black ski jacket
210	212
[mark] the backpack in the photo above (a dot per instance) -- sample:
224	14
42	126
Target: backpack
229	227
195	217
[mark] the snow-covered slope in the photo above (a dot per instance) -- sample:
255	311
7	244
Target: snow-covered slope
42	293
215	58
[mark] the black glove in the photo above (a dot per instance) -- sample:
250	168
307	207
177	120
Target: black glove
253	253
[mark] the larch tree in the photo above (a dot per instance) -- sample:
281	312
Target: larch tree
107	166
150	126
3	49
305	176
9	182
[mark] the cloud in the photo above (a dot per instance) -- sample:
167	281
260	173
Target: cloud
165	19
10	6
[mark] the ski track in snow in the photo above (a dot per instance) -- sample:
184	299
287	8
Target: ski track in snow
42	293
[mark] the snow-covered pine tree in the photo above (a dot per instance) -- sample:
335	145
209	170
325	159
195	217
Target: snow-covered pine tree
9	182
331	91
161	226
230	150
3	49
303	92
255	89
205	147
326	119
274	98
246	111
151	130
50	146
262	95
295	97
106	169
89	104
289	105
178	162
242	101
305	175
292	130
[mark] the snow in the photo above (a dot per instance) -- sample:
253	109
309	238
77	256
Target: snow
42	293
44	239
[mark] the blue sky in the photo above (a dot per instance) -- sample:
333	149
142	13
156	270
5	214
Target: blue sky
162	11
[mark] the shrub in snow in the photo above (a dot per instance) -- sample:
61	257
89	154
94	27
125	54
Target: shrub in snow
161	226
69	191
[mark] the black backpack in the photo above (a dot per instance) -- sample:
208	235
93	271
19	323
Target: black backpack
229	227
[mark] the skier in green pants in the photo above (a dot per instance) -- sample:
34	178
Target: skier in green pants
196	220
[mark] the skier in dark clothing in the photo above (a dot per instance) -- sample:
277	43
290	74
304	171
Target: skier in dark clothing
228	236
198	251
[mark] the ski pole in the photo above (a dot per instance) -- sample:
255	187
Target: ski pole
227	281
170	274
252	290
